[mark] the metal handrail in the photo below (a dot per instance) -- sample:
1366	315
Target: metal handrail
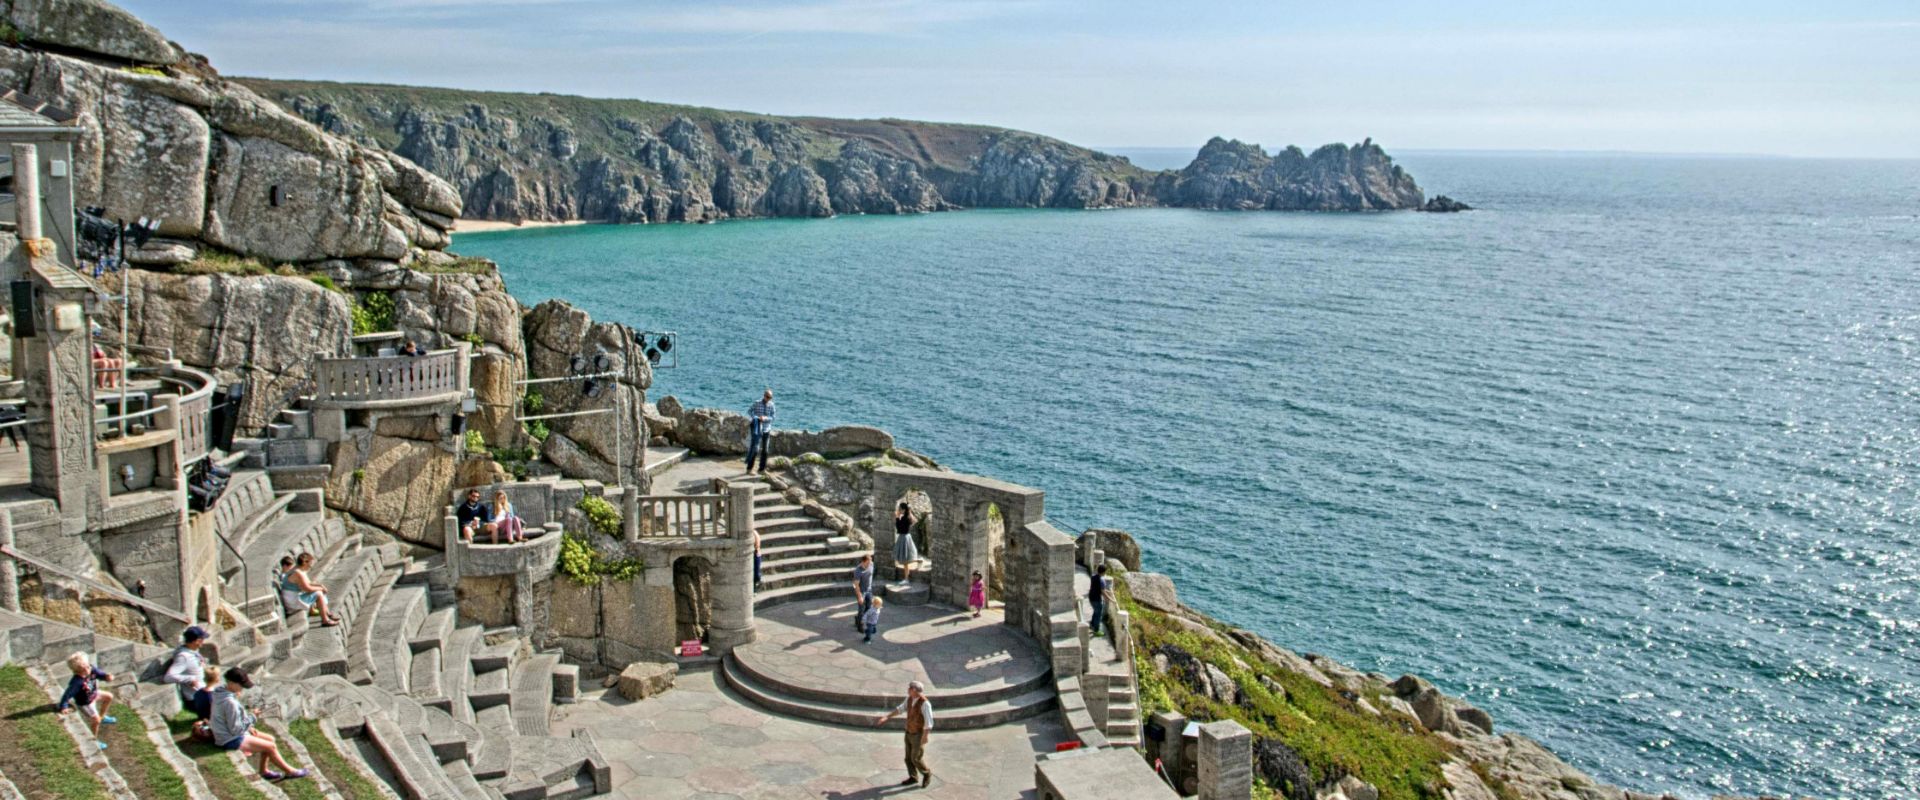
246	572
96	586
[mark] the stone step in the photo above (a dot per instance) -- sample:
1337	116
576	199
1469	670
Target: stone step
489	657
280	430
417	776
434	629
493	755
841	576
795	559
532	694
795	537
553	768
423	675
944	700
301	420
768	597
494	718
781	524
290	534
390	648
360	639
985	715
490	688
914	593
456	671
287	452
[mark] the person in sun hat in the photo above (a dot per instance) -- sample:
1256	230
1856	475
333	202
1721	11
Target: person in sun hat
187	669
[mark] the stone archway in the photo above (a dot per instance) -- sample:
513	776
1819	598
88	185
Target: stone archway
925	516
996	572
692	598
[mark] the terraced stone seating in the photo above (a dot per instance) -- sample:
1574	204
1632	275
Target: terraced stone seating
532	502
30	640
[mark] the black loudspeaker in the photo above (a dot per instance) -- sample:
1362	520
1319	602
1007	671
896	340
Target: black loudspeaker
458	424
23	323
226	413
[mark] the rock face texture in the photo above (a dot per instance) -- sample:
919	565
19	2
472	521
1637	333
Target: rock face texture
522	157
217	163
1235	175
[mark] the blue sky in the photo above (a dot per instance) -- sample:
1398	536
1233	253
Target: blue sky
1814	79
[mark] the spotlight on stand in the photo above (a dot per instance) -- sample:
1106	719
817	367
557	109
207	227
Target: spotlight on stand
658	347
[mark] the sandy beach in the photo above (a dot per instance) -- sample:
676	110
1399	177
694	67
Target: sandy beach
483	225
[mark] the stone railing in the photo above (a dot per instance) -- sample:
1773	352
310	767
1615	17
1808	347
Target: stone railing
441	374
690	516
194	418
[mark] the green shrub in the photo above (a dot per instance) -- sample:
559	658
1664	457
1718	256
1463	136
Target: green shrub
475	339
476	442
605	518
538	430
813	458
325	282
588	566
215	261
9	34
373	314
533	402
153	71
1332	734
359	475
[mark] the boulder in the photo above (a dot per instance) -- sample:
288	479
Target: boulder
1434	711
1153	590
93	26
556	334
1282	769
1119	546
264	330
843	440
830	484
1221	686
711	431
1445	205
402	486
1353	788
1473	717
643	679
153	160
1281	656
274	201
1463	783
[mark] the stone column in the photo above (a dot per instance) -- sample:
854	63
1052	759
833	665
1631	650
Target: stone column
26	188
9	569
1171	745
1226	761
630	512
733	578
58	372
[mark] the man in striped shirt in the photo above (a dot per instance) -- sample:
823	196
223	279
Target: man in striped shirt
759	428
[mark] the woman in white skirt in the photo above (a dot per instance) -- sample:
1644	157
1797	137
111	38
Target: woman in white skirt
905	554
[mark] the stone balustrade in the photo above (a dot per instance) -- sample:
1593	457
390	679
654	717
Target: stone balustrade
689	516
391	380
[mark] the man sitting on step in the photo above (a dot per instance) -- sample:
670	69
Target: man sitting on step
472	515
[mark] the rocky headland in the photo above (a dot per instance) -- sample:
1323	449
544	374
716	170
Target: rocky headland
544	157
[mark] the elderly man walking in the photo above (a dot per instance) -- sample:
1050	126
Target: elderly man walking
919	723
759	428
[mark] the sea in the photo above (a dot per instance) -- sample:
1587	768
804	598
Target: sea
1629	455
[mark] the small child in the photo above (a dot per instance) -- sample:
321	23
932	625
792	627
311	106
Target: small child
84	691
977	595
870	622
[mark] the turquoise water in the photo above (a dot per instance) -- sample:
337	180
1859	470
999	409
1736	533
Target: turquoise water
1627	458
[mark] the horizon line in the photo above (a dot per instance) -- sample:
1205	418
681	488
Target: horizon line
1559	151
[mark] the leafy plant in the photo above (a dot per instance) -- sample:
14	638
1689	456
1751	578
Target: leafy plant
215	261
325	282
538	430
9	34
373	314
476	442
813	458
534	402
605	518
1328	730
359	475
587	566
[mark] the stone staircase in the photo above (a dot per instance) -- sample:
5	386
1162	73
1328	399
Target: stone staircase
1109	683
800	559
957	710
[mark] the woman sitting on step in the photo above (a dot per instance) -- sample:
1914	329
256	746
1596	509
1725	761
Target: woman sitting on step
301	592
505	521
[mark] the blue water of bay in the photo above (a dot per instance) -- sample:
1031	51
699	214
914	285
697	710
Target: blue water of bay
1627	456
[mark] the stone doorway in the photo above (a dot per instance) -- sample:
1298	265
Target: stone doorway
994	523
924	519
692	598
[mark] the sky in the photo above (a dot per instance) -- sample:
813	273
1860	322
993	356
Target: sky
1824	79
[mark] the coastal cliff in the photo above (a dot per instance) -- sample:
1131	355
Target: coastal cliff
545	157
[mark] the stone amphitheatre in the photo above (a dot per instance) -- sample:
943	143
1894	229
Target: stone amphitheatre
624	648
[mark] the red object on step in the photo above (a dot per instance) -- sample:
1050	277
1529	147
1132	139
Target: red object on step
1065	746
691	648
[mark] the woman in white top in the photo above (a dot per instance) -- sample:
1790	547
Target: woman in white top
504	520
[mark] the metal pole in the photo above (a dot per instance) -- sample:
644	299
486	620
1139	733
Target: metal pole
9	569
125	294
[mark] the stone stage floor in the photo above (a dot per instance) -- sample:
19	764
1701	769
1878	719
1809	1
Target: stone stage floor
702	740
812	645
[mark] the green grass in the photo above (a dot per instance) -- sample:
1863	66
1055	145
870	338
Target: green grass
214	261
1332	735
462	265
346	780
38	733
226	782
161	780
